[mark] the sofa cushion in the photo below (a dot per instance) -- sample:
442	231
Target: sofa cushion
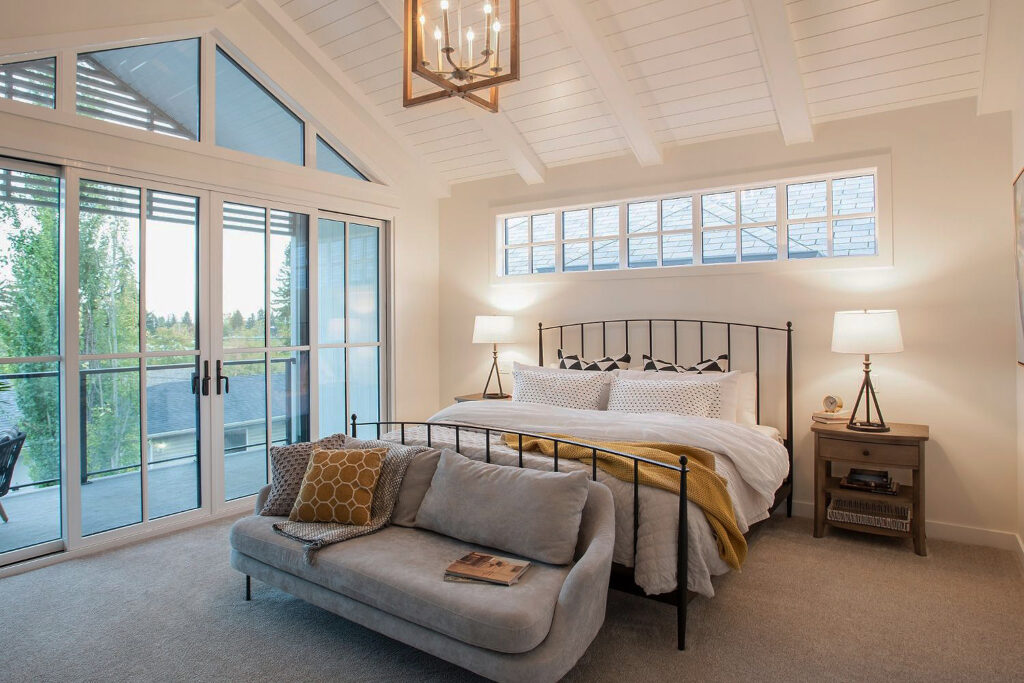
538	515
400	571
414	486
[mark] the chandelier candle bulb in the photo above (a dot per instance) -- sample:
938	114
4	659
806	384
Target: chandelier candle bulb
437	37
423	43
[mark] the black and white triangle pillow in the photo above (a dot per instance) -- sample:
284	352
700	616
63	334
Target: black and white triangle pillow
719	364
574	362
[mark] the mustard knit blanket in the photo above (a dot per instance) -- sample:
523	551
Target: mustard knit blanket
704	487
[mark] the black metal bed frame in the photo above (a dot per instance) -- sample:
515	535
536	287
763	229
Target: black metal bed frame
680	596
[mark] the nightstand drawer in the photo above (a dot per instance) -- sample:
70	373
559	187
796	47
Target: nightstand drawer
869	453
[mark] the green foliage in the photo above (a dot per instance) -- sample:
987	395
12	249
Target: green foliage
109	324
28	327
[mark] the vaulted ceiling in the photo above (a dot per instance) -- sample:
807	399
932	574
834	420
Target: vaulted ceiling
603	78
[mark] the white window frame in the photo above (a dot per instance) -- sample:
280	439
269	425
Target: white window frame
65	109
877	165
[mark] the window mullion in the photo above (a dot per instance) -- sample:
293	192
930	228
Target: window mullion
698	229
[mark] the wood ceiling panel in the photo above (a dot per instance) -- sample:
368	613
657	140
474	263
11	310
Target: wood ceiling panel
715	114
947	57
969	27
892	26
907	95
573	155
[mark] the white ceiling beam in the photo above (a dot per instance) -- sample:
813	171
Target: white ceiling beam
272	16
770	24
496	125
583	33
503	133
1001	56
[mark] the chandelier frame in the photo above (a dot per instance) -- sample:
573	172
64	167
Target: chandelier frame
448	86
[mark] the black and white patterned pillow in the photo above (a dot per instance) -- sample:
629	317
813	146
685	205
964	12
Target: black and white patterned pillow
581	390
574	362
663	396
720	364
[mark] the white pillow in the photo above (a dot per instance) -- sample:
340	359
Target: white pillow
746	405
730	383
606	375
566	388
700	399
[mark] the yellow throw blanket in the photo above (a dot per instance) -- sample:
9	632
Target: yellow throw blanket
704	486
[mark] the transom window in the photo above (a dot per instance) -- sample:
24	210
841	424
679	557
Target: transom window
818	217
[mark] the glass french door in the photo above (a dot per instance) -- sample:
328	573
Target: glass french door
157	339
262	369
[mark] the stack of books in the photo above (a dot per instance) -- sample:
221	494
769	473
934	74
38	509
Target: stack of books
870	480
831	418
483	568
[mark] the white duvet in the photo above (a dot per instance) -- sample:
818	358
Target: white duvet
753	464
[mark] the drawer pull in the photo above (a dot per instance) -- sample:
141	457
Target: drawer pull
866	453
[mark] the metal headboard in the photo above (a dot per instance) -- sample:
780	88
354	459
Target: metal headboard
649	324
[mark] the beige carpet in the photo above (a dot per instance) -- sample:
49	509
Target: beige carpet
846	607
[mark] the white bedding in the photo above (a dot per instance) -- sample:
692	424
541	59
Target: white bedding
753	463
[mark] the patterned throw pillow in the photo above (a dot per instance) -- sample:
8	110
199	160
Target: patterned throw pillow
720	364
580	390
338	487
287	466
664	396
574	362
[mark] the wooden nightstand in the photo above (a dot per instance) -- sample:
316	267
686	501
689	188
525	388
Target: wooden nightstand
479	397
900	448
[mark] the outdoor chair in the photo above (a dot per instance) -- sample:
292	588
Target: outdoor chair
10	448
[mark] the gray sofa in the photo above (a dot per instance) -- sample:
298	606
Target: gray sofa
391	582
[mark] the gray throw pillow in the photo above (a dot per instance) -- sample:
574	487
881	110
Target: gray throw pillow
527	512
414	486
287	467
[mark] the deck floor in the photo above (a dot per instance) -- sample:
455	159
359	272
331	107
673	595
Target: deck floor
116	501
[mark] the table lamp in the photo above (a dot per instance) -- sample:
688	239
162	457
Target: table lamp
866	332
494	330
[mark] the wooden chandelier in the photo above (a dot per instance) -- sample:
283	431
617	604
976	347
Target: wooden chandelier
449	61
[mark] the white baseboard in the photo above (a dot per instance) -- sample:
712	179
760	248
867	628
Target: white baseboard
947	531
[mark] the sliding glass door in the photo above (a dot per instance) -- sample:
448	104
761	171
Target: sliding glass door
138	351
30	369
350	302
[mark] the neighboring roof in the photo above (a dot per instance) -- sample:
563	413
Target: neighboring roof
171	405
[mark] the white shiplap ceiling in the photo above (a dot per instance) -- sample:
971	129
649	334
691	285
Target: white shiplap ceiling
631	76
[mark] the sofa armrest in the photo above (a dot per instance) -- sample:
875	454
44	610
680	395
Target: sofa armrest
261	499
584	593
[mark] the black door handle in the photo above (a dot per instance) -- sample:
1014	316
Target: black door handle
227	380
206	378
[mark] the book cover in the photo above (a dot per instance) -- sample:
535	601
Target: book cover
489	568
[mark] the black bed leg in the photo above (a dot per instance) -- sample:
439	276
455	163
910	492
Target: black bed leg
682	552
789	502
248	587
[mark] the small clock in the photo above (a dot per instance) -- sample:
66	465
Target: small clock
832	404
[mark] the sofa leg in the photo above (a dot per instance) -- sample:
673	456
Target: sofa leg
3	513
248	587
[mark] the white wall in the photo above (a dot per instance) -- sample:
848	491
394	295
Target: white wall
952	281
1018	164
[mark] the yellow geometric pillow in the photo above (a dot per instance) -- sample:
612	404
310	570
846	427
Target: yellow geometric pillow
338	487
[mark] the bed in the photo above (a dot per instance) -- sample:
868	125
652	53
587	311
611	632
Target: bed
660	536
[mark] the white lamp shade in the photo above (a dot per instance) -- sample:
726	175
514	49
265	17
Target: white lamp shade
493	329
865	332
